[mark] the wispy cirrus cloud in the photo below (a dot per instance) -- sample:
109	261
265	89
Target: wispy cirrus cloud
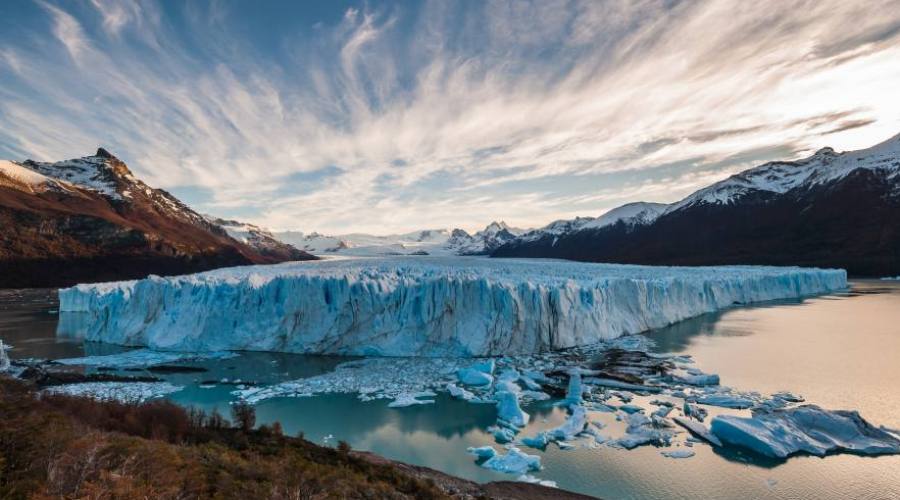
390	118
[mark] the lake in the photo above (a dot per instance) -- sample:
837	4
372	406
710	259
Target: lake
840	351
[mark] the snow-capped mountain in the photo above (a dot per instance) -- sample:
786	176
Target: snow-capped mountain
779	177
424	242
91	219
829	210
259	238
631	214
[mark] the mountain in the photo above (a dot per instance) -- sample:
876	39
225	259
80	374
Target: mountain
828	210
492	237
631	215
91	219
260	239
423	242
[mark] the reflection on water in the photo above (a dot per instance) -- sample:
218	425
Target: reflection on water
840	351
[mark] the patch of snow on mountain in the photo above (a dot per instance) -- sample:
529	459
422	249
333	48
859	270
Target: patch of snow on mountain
638	213
779	177
22	174
426	306
90	172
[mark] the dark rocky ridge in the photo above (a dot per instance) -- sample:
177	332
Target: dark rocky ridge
839	216
92	220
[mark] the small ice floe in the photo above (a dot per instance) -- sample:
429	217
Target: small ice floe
528	478
128	392
595	433
575	390
679	453
536	376
618	384
508	409
623	396
140	358
641	431
780	433
482	452
572	427
473	377
513	462
530	383
459	393
693	411
502	435
410	399
693	376
370	378
662	411
486	366
782	399
790	397
630	408
535	395
699	430
727	400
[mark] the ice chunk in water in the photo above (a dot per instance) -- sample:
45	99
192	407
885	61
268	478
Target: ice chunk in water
482	452
471	376
513	462
508	409
680	453
780	433
699	430
409	399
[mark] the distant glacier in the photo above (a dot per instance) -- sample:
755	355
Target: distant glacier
425	306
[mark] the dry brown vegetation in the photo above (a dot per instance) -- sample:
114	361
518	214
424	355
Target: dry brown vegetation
66	447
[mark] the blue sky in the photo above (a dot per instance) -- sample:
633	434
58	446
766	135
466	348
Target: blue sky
387	117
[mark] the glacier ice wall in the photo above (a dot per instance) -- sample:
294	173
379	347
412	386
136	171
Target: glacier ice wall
425	306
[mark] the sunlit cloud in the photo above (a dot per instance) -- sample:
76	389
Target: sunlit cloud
393	118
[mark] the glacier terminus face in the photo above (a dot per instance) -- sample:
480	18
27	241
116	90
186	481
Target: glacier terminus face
418	306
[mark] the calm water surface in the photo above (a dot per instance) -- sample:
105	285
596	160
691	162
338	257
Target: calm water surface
840	351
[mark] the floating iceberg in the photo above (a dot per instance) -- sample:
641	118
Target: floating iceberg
482	452
139	358
410	399
528	478
574	425
781	433
427	306
471	376
699	430
680	453
513	462
508	409
127	392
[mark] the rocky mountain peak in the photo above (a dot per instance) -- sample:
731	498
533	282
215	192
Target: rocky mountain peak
102	153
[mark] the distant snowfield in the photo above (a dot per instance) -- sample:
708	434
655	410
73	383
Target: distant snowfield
421	306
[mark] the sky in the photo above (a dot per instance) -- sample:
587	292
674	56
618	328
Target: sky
341	117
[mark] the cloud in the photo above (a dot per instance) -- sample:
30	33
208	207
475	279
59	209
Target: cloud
393	118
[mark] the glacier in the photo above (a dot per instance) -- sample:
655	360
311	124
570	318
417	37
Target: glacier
425	306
